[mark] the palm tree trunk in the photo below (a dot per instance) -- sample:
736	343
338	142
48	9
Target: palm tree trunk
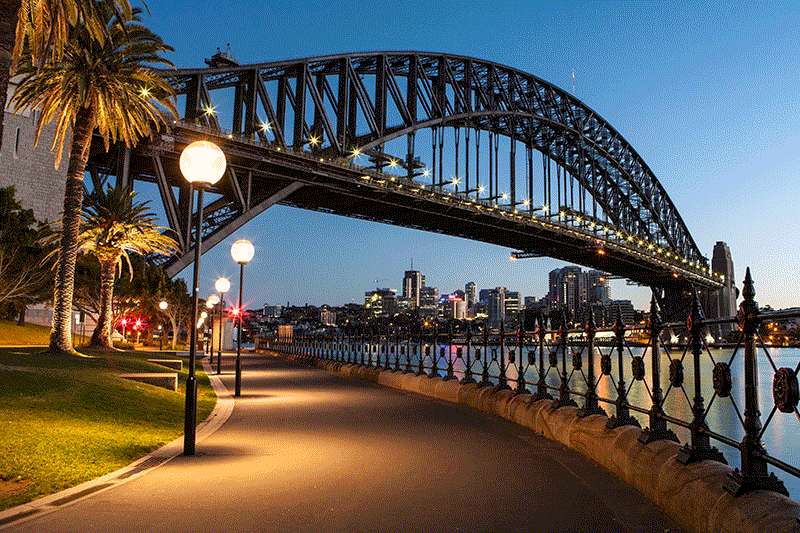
102	331
8	30
61	334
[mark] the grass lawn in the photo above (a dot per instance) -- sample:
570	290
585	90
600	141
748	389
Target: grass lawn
68	419
30	334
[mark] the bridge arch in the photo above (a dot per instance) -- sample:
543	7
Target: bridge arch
339	107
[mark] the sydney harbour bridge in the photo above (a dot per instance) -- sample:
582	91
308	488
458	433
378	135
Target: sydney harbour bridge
437	142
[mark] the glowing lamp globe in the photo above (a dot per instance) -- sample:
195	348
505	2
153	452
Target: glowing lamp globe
222	285
212	300
242	251
202	162
204	315
162	305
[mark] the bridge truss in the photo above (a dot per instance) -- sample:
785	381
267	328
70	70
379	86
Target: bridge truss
437	142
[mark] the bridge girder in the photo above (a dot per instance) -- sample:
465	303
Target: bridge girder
333	107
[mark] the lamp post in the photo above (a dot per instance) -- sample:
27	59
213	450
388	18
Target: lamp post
222	285
242	252
163	306
124	323
202	163
210	303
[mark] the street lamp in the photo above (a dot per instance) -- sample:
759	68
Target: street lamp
160	338
202	163
242	252
210	302
222	285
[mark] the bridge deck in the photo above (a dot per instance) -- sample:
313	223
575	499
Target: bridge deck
305	450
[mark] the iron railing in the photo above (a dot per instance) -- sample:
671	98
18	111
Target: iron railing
561	363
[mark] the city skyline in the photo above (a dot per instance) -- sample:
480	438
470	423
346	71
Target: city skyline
680	93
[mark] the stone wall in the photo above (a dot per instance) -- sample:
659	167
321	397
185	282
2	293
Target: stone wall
38	185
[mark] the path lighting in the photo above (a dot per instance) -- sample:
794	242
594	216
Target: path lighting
160	337
242	252
222	285
202	163
211	301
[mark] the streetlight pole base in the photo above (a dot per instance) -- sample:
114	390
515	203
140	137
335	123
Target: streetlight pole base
190	419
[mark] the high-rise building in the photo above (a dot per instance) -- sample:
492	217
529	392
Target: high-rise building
413	281
381	302
471	294
597	283
429	302
512	307
497	306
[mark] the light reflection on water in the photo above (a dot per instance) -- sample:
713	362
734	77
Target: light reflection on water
781	437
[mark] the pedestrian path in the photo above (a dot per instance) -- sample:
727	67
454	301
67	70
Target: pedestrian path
307	451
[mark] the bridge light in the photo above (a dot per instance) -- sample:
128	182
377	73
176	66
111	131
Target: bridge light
313	140
210	110
649	246
455	181
481	189
592	224
619	234
526	203
660	250
364	177
393	163
546	208
641	242
504	196
561	214
630	238
721	277
578	220
356	152
145	92
265	126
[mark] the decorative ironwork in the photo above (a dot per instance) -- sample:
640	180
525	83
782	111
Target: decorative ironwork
722	380
785	390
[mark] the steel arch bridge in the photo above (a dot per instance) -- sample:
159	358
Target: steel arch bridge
438	142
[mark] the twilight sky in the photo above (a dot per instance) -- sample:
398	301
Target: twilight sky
708	95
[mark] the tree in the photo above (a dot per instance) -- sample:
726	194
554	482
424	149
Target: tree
96	84
23	273
114	225
42	26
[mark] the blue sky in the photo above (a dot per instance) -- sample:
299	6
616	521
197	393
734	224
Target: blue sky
707	94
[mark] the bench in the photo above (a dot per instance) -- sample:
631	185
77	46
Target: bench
175	364
164	380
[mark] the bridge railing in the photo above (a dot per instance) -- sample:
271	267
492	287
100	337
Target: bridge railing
638	374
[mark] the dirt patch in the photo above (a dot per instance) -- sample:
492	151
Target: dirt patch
10	487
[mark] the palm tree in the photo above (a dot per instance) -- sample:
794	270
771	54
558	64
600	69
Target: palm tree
42	25
96	84
114	225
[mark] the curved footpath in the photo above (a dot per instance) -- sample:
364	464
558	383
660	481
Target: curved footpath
305	450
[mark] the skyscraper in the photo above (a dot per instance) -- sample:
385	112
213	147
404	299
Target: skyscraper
471	294
413	281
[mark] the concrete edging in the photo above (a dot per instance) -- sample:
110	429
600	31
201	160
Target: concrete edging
692	495
52	502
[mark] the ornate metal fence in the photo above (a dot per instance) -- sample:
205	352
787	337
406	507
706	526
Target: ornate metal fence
600	367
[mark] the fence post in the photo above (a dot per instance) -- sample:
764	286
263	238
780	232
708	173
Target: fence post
435	348
754	475
563	397
449	375
520	371
622	416
700	448
658	426
590	406
502	383
468	363
541	388
485	371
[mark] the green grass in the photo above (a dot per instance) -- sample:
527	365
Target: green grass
68	419
13	335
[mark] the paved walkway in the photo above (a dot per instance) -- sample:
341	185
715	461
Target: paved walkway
305	450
